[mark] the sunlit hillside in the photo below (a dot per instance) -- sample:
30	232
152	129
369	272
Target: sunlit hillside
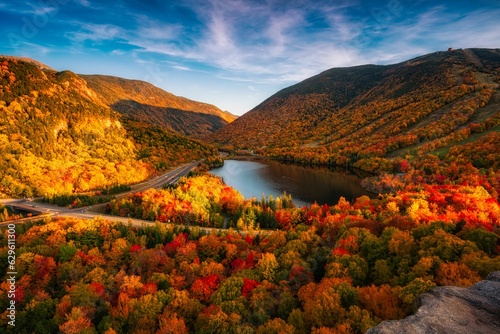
57	136
198	257
360	116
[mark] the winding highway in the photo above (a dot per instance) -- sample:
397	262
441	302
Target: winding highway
50	210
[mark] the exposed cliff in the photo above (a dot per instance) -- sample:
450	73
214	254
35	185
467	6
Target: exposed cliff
450	309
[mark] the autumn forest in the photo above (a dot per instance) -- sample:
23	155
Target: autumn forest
425	134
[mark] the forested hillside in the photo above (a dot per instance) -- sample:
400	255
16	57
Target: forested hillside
144	102
163	149
365	116
431	122
320	269
58	137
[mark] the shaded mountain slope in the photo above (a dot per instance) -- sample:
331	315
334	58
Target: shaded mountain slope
344	115
142	101
188	123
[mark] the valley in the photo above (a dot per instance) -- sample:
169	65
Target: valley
58	136
176	248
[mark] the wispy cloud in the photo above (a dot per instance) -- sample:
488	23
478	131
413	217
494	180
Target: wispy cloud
279	31
35	48
87	4
28	8
243	40
273	42
436	28
254	41
96	32
182	68
478	29
43	10
154	30
118	52
84	3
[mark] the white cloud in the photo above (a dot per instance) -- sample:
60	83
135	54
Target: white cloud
266	42
37	10
181	68
243	40
91	5
477	29
154	30
118	52
96	32
84	3
345	28
436	29
279	31
219	35
248	42
31	9
34	50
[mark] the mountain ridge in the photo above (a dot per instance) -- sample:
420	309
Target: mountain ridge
57	136
348	114
29	60
154	95
143	101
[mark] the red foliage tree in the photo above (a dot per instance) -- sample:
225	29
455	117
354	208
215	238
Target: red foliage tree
248	286
204	287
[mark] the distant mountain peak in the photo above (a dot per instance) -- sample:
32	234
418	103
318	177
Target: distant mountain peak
143	101
346	114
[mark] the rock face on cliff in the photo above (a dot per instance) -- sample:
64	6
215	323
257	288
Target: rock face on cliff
454	310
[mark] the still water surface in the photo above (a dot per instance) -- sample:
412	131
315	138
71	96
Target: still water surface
306	185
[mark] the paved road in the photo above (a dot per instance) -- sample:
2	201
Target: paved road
56	211
170	178
53	211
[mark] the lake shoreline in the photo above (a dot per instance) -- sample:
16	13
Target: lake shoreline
254	176
332	168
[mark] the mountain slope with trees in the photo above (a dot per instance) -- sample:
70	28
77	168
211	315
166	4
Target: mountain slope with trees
318	269
57	136
142	101
361	116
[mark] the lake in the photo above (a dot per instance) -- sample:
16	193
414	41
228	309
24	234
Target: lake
306	185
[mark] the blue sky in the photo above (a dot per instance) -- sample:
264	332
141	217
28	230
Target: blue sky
236	53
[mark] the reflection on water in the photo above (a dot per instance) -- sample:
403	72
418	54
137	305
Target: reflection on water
306	185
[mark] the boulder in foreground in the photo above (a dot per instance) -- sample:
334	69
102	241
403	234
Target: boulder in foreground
450	309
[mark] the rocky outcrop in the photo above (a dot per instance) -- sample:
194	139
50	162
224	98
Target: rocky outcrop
450	309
